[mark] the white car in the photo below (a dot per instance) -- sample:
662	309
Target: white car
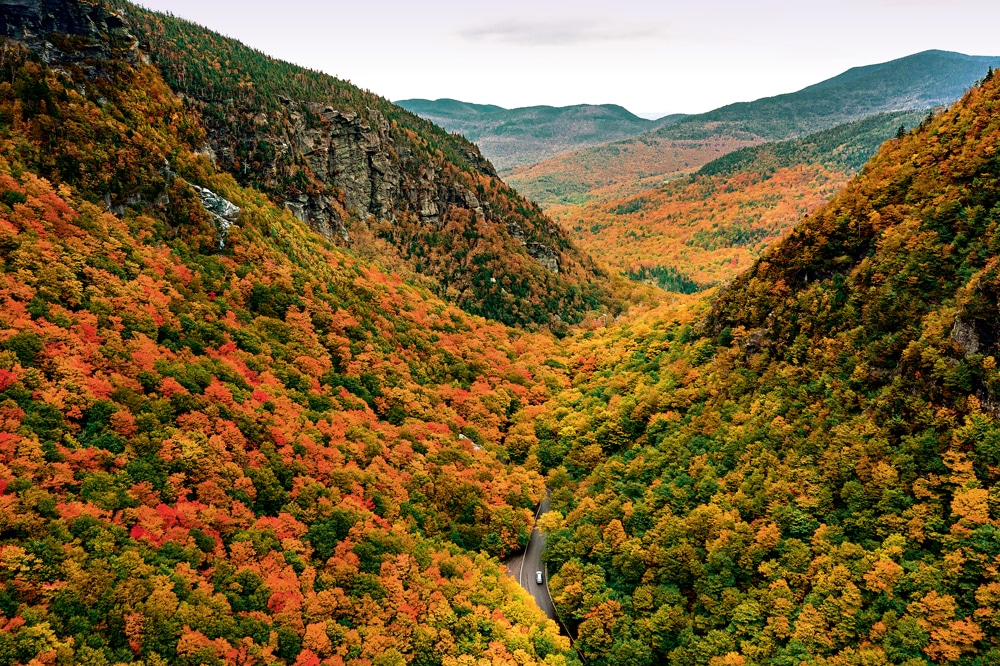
539	578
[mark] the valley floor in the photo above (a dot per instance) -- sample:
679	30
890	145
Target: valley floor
524	567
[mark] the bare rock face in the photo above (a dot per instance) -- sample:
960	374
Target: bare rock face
320	213
224	213
353	159
44	26
545	255
517	232
346	153
357	159
372	175
965	336
540	252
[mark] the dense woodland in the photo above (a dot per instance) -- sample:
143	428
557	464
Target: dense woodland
233	442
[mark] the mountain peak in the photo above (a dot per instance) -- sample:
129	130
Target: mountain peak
918	81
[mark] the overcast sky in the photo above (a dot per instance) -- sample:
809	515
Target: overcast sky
650	56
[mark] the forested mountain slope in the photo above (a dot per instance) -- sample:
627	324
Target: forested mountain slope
805	471
703	229
222	438
357	168
921	81
515	137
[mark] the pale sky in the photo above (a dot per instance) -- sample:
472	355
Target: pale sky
666	56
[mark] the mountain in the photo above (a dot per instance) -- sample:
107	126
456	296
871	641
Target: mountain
921	81
916	82
369	174
226	439
515	137
703	229
223	438
803	468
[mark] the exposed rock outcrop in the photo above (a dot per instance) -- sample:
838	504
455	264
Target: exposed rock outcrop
965	336
346	153
545	255
361	161
61	31
364	169
517	232
540	252
224	212
321	213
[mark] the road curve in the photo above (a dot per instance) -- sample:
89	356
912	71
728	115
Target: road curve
523	567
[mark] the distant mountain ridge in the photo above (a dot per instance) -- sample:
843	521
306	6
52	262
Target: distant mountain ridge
515	137
921	81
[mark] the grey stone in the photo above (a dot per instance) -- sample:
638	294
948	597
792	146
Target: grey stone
964	335
103	34
545	255
320	214
517	232
224	212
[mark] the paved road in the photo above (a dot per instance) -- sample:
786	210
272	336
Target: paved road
523	568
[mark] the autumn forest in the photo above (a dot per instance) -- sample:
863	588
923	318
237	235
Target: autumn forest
286	370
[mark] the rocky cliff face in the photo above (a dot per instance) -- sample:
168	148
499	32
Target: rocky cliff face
63	31
359	159
357	168
354	166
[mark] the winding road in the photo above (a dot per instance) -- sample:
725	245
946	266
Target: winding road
523	567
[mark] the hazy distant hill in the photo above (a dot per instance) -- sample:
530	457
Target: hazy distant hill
920	81
514	137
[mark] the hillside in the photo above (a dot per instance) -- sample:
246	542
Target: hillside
917	82
224	439
804	469
704	229
515	137
227	439
364	172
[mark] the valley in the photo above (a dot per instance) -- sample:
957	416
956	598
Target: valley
701	230
290	374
